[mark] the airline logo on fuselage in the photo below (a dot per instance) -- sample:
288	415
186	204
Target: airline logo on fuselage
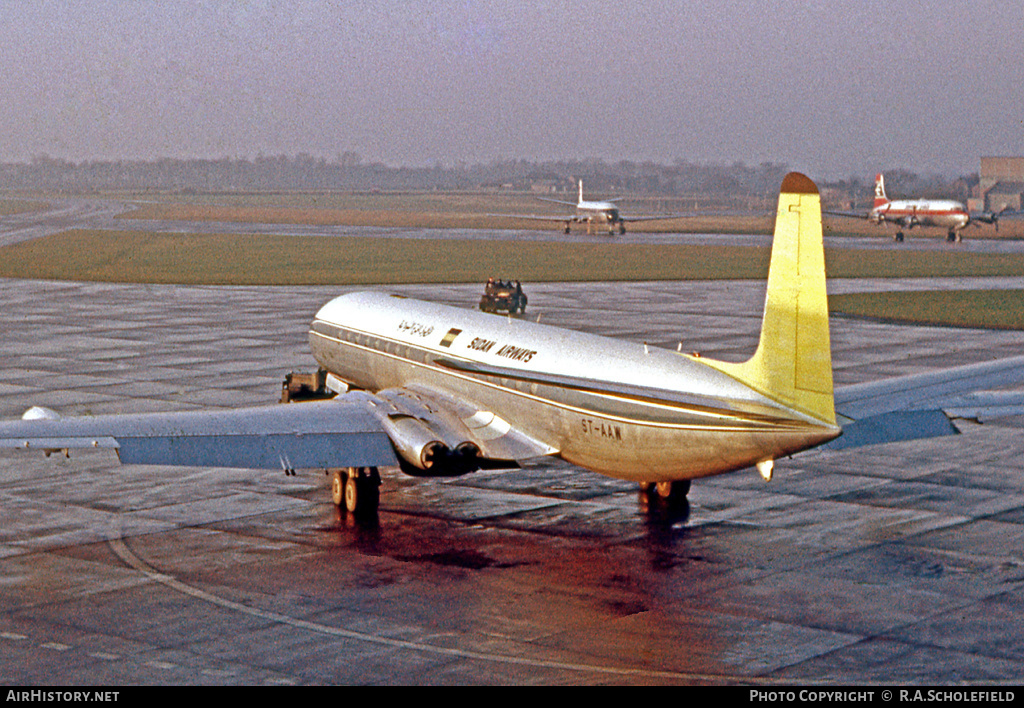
450	337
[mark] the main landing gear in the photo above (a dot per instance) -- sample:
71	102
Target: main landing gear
667	495
356	489
953	236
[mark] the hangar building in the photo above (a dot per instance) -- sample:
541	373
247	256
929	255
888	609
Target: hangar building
1001	183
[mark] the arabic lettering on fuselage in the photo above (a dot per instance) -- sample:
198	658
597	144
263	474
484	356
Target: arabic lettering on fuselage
415	328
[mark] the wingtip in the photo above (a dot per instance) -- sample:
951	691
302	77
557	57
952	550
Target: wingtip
40	413
796	183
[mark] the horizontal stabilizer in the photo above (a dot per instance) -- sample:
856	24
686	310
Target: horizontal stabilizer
893	427
986	405
929	390
922	405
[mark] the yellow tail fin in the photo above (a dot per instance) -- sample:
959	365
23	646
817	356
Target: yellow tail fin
793	361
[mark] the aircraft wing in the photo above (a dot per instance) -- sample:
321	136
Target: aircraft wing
542	217
849	214
923	405
356	429
628	218
359	429
316	434
994	217
556	201
662	217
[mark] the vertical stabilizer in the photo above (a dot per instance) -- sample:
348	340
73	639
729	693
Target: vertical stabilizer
793	361
880	198
580	202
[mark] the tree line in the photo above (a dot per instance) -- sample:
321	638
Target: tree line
348	172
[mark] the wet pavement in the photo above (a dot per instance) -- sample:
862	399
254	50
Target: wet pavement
898	563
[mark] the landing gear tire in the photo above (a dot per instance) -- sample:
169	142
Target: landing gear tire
898	238
357	490
338	487
952	237
352	495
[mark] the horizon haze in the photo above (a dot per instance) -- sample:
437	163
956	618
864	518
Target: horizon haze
833	90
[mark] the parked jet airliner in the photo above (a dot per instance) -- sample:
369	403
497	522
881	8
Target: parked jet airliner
438	390
908	213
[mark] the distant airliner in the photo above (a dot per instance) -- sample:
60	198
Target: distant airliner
439	390
908	213
593	212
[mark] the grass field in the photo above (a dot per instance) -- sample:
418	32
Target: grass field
9	207
435	212
995	309
138	256
135	256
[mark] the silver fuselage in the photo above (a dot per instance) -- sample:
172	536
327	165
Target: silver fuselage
600	212
620	408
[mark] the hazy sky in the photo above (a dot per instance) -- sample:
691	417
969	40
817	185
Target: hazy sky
831	88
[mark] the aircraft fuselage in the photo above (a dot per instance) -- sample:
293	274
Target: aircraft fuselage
907	213
600	213
619	408
603	212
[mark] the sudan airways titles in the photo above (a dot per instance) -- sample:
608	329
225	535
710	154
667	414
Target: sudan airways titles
479	344
509	351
